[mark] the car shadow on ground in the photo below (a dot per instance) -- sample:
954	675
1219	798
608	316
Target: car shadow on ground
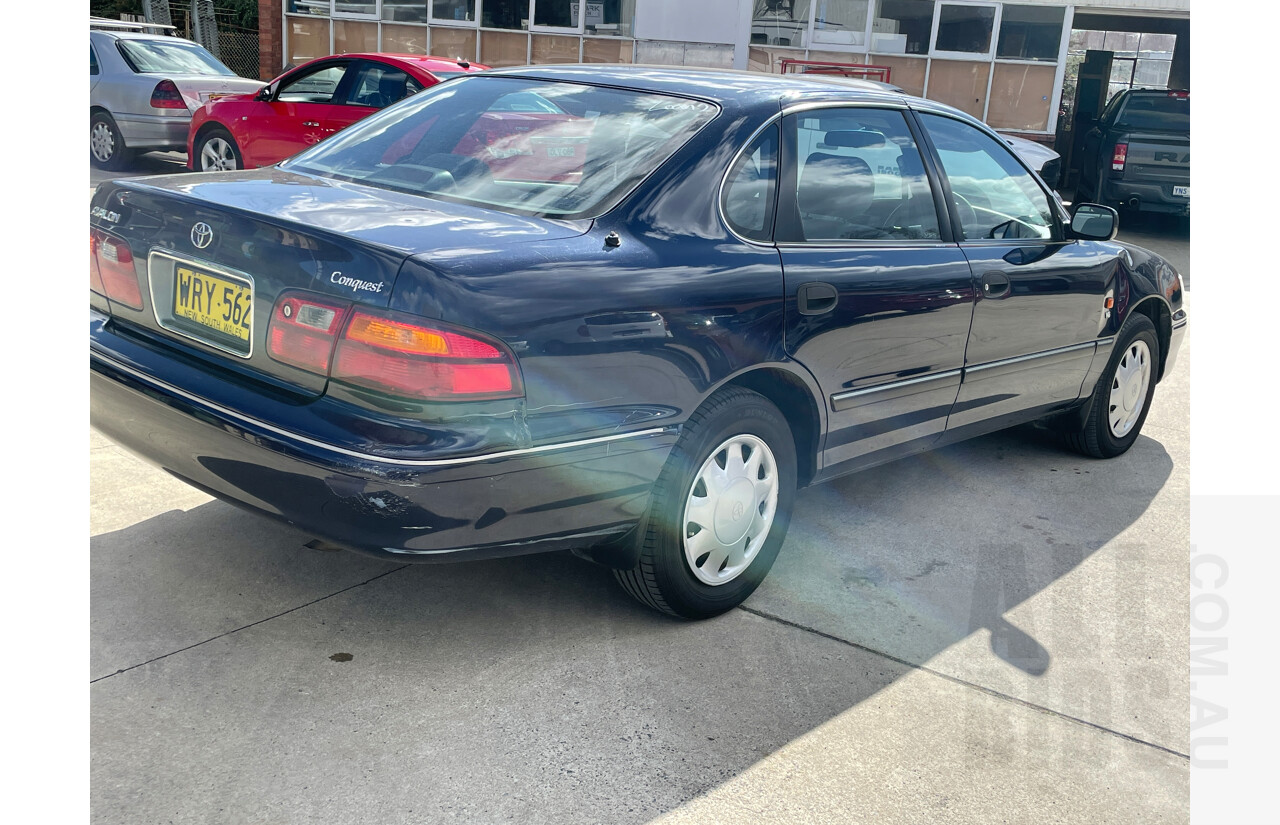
269	657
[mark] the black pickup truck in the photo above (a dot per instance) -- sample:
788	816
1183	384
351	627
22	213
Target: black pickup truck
1137	156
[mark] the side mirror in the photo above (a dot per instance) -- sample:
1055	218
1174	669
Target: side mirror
264	93
1095	222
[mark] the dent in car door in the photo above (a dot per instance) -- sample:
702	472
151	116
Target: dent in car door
1040	298
878	304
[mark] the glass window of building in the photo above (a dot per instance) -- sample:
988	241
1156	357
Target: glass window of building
1030	32
780	23
840	22
965	29
504	14
610	18
560	14
453	11
902	26
352	8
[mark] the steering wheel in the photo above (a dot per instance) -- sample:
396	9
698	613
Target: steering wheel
963	206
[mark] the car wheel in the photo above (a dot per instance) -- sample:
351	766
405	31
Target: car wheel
1122	397
106	144
719	510
216	151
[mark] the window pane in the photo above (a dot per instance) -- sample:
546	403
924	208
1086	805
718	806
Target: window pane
459	44
780	23
404	39
611	50
354	7
404	11
502	48
860	177
994	195
840	22
902	26
460	10
553	48
316	87
560	13
749	195
177	57
380	86
1020	96
611	18
530	147
350	36
505	14
965	29
1030	33
1154	73
308	39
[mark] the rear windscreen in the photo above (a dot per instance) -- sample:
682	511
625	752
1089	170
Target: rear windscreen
562	150
1164	113
177	57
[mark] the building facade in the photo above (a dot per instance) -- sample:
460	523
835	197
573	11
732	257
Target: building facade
1001	61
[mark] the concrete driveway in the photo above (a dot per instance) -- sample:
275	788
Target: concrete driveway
994	632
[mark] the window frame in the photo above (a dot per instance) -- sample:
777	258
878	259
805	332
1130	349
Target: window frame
787	230
1061	220
774	123
989	55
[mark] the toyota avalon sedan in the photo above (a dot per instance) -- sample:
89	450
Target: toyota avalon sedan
631	330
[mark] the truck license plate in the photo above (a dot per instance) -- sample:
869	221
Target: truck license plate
1182	191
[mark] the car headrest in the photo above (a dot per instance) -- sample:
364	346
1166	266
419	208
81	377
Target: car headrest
855	139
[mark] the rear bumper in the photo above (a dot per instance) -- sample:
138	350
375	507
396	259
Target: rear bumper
1150	197
561	496
1177	332
155	131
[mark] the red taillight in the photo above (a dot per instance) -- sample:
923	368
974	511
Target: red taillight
95	277
1118	157
1179	93
115	270
166	96
303	330
428	362
397	356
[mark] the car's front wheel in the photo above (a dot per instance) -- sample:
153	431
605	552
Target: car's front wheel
1122	397
216	151
719	511
106	144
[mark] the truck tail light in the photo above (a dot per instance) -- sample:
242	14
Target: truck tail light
113	269
166	96
95	277
396	355
1118	157
434	362
303	330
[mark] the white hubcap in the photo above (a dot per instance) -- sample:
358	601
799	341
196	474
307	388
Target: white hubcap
217	156
730	509
101	142
1129	388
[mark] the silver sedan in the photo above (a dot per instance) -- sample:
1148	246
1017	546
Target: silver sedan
143	89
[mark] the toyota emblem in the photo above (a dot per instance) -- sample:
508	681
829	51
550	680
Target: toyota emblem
201	235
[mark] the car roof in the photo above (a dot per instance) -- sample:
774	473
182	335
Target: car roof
728	87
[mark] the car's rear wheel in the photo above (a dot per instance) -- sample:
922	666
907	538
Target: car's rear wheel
216	151
106	145
719	511
1122	397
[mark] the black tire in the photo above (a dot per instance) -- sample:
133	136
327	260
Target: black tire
225	147
107	149
1097	437
663	579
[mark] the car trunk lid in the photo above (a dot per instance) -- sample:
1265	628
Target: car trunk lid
206	247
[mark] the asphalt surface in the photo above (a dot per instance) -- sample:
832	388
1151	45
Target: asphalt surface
993	632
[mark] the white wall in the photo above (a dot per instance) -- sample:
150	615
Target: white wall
691	21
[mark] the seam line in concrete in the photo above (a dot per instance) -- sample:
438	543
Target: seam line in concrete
251	624
994	693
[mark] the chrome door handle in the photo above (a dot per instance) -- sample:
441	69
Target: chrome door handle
310	123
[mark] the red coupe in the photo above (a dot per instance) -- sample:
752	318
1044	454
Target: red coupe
305	105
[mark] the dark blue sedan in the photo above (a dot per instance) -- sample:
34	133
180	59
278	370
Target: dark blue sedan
624	311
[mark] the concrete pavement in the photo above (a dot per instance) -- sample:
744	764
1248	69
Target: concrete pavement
994	632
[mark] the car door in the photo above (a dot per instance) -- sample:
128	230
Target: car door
295	115
1040	296
878	297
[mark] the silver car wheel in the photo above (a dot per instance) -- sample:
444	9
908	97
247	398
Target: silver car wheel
1129	388
729	509
217	156
101	142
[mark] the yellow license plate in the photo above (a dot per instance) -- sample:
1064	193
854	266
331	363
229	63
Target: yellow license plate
217	303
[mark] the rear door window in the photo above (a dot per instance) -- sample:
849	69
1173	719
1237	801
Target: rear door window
749	193
859	177
378	85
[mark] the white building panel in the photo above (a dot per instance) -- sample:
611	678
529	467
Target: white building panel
692	21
